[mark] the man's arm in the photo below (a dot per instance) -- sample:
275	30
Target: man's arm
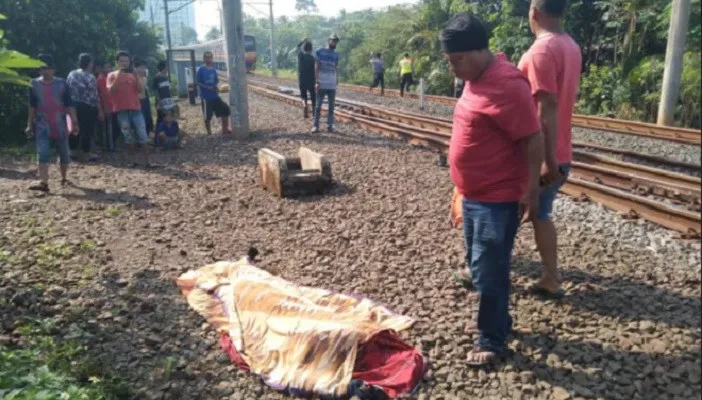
32	112
111	83
547	107
68	103
198	78
140	84
316	73
534	145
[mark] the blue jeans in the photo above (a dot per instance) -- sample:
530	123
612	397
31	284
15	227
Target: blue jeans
489	230
331	93
548	194
129	119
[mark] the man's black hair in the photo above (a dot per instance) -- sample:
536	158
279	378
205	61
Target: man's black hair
378	54
84	60
122	53
46	59
406	54
462	33
554	8
139	62
308	46
161	66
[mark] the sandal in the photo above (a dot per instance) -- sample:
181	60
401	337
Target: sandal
482	358
538	290
466	283
41	186
65	182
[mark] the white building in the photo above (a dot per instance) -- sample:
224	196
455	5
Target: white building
182	15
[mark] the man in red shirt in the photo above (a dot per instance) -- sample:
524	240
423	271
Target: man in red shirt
552	66
124	88
111	126
495	155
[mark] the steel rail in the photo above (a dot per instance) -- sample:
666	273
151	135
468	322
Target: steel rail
634	128
607	174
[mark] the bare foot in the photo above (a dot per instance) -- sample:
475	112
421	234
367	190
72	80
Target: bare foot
480	358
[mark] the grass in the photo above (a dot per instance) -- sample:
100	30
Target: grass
112	211
22	153
46	368
282	73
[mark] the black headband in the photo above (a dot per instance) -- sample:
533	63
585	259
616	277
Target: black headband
464	32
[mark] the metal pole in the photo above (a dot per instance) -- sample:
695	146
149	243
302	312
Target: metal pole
421	93
274	61
236	67
168	37
677	32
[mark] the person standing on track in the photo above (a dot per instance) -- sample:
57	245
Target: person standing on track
162	89
378	73
552	66
142	73
124	88
495	154
406	74
305	74
84	94
207	81
49	102
110	124
327	80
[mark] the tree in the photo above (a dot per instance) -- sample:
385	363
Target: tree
11	60
306	6
188	35
213	33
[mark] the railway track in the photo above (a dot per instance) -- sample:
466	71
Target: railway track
634	128
669	199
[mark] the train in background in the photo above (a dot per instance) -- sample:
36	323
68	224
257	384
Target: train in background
218	51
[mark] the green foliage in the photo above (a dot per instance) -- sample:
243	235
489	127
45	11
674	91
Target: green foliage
623	44
213	33
63	28
46	368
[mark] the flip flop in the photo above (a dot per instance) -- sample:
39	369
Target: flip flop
482	358
540	291
41	186
466	283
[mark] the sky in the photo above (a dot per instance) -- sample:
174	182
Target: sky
207	12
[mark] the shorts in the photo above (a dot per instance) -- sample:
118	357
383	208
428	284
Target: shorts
129	119
215	106
44	145
548	194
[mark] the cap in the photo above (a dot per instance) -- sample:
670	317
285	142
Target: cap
46	59
334	37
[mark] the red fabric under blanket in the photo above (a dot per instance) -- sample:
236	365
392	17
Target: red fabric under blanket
384	361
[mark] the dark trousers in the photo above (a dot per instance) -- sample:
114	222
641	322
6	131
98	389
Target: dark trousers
405	83
87	123
308	89
379	79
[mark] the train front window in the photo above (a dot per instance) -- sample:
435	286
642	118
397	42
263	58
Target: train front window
249	43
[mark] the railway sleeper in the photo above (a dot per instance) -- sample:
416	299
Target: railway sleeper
308	174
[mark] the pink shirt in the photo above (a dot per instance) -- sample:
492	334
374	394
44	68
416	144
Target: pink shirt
552	65
487	156
126	96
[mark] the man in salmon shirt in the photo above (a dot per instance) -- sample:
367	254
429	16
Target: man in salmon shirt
124	87
495	156
552	66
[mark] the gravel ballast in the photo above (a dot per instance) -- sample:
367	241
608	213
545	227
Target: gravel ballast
629	327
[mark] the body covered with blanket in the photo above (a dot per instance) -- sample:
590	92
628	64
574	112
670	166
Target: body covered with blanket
301	339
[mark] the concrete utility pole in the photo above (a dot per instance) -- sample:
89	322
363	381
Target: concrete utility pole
236	67
274	61
677	32
168	37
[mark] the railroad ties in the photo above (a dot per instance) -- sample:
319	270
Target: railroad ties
309	173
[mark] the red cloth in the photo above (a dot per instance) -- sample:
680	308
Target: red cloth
495	112
384	361
388	362
552	65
